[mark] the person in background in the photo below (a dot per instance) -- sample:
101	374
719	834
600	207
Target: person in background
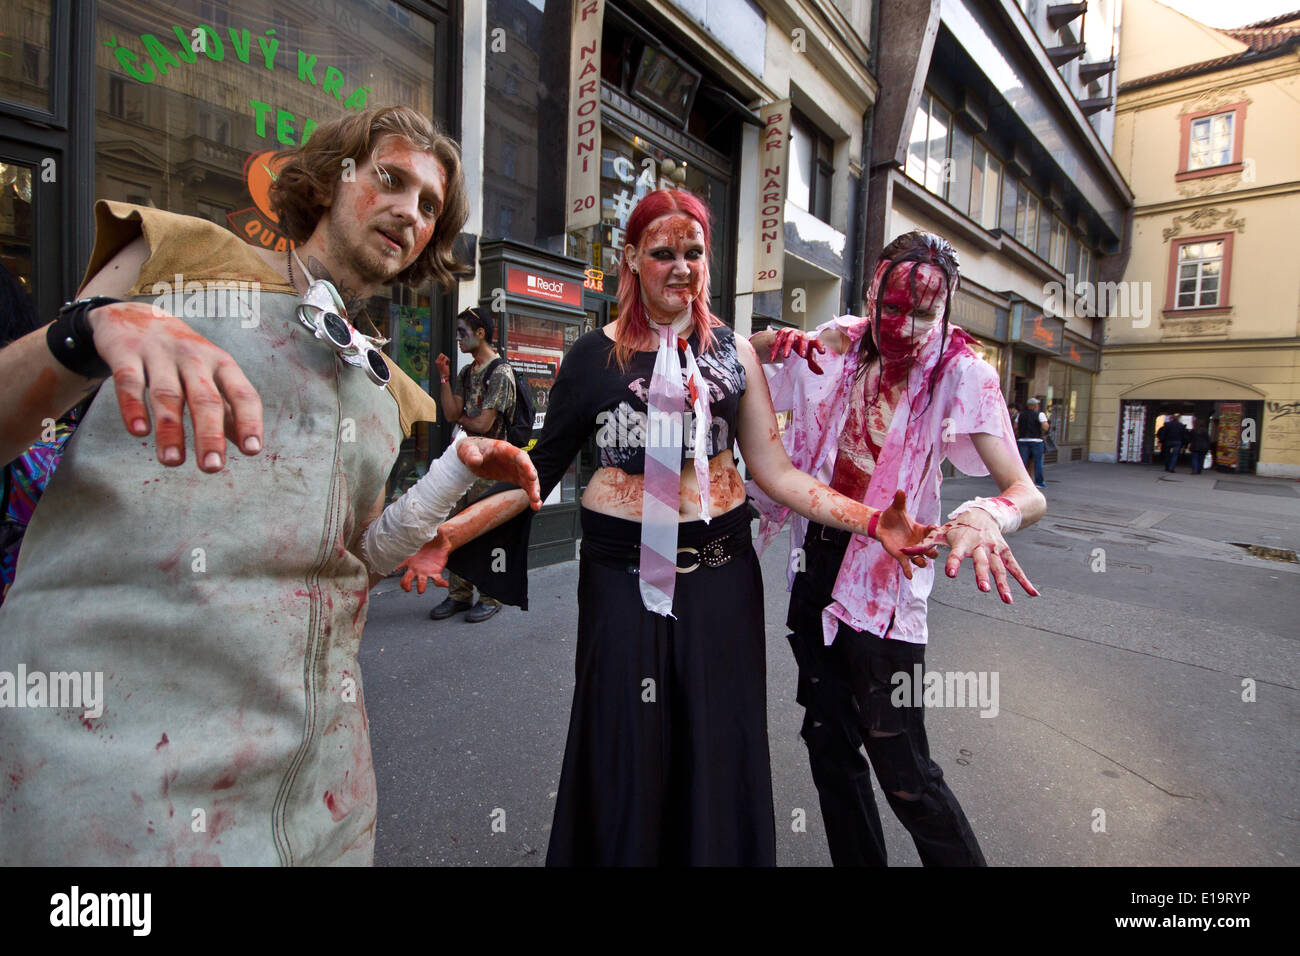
24	479
1200	444
481	403
1014	411
1031	426
1172	436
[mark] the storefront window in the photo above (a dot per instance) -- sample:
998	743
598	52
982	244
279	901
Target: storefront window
193	99
16	226
25	52
631	167
1080	395
1058	379
988	352
535	347
514	102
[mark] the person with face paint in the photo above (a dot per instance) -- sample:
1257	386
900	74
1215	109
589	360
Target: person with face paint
481	404
877	404
667	754
213	616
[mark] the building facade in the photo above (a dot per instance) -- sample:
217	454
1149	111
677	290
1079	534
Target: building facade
984	134
1206	133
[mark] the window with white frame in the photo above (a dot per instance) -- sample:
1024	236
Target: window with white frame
986	175
1210	142
1083	270
928	147
1027	205
1056	254
811	167
1200	269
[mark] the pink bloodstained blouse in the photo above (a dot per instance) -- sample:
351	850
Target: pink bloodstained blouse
967	399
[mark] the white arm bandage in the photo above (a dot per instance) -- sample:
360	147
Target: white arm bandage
1004	511
412	520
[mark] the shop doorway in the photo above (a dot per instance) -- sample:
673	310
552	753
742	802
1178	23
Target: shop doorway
30	212
1233	428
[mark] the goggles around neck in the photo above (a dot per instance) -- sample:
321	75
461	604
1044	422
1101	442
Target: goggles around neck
322	311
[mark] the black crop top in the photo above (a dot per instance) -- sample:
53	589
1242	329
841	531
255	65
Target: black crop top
591	395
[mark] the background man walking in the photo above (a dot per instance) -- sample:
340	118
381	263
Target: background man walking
1031	426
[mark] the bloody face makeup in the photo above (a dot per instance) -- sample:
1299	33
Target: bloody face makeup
671	261
383	216
911	306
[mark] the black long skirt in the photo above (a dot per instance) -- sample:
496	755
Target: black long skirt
667	758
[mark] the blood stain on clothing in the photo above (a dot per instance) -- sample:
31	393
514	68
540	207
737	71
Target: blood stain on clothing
162	743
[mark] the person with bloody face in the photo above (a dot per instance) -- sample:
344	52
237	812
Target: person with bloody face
878	404
215	714
667	754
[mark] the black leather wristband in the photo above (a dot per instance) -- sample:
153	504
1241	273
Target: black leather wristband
71	341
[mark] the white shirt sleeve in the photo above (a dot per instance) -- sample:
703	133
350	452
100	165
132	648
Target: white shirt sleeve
412	520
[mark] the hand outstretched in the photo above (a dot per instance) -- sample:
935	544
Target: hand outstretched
428	562
906	541
502	461
975	534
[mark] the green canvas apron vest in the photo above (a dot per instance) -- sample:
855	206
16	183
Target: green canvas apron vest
224	613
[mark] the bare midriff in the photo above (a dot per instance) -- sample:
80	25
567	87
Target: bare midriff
612	491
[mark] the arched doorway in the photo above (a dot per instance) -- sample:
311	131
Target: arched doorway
1231	409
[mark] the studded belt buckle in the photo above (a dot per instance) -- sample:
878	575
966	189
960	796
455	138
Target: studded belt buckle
695	566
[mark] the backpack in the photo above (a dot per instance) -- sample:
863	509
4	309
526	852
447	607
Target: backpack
519	429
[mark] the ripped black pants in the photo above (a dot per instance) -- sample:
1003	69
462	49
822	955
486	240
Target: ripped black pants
845	691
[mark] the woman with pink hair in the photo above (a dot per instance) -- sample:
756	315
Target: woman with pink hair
667	756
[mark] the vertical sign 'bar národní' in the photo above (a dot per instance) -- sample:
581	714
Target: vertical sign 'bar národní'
773	162
582	206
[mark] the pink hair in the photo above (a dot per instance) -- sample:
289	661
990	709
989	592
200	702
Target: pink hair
634	325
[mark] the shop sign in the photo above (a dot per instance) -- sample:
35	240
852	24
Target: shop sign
1077	353
258	225
773	171
593	279
1229	435
582	207
170	50
975	315
1040	332
537	285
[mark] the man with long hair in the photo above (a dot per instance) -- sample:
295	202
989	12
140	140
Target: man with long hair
215	714
899	392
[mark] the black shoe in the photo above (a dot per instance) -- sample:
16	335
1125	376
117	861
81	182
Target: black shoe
447	608
481	612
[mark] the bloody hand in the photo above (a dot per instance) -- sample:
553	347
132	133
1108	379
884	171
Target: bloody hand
906	541
976	535
143	345
444	365
501	461
428	562
788	340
